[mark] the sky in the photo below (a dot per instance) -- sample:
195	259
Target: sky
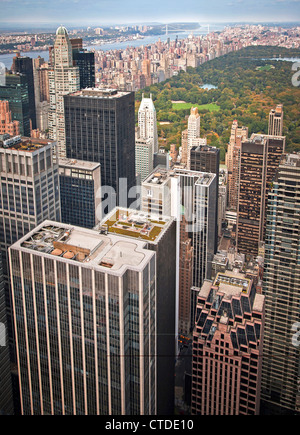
101	12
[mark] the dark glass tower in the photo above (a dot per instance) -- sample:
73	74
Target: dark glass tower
23	65
6	398
16	93
207	159
100	127
79	192
85	60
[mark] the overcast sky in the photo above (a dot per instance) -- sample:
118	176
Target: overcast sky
98	12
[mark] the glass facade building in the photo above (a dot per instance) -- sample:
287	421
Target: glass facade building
85	322
100	127
6	396
259	160
16	92
29	194
24	65
85	61
281	287
80	192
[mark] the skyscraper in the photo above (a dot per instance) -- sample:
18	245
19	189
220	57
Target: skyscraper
41	88
276	121
281	287
190	197
232	161
30	194
193	134
227	347
160	235
15	91
147	121
23	65
63	79
85	61
6	396
7	125
204	158
185	279
80	184
193	125
100	128
143	157
259	160
86	323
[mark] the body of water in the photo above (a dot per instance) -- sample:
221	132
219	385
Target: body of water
8	58
208	86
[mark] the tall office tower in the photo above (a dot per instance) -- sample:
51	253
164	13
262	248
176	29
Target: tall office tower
185	280
276	121
232	161
147	121
100	128
193	193
259	160
281	287
207	159
80	196
30	194
76	44
193	125
63	79
87	322
85	61
41	79
159	235
161	158
222	206
6	396
161	193
193	134
227	347
41	88
184	147
23	65
146	64
143	157
15	91
7	125
198	190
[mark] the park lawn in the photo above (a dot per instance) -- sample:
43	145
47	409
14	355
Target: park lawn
265	68
212	107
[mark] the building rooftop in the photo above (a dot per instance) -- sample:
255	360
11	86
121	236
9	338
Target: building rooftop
232	284
161	175
68	243
98	93
135	224
77	164
21	143
291	160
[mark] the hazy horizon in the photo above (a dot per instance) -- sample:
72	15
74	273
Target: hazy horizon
74	13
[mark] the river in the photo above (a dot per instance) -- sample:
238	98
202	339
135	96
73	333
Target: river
7	58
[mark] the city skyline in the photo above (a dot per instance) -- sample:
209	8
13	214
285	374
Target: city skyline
91	13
